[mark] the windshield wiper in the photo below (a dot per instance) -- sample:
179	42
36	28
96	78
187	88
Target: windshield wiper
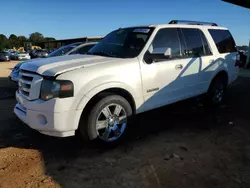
101	53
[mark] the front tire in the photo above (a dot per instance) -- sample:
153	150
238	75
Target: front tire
107	120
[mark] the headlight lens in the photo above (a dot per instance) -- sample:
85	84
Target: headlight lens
56	88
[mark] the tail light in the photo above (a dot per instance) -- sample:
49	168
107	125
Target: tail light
237	62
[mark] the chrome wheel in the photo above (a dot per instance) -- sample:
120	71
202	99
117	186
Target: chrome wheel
111	122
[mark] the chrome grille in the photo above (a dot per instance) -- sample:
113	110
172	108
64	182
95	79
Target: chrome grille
25	80
29	84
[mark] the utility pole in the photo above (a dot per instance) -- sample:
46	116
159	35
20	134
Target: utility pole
248	56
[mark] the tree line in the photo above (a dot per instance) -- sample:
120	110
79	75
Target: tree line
18	41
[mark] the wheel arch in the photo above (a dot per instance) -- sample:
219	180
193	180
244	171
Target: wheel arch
221	73
105	89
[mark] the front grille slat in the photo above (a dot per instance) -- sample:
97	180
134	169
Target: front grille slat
26	79
24	92
25	89
22	80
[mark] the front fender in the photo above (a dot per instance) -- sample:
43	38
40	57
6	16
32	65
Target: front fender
104	86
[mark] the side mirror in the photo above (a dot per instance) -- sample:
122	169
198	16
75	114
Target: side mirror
157	56
168	53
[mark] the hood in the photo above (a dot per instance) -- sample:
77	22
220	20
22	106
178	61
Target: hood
53	66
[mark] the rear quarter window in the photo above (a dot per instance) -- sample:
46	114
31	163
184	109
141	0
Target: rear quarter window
223	40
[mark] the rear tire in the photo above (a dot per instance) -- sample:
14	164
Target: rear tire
217	91
107	120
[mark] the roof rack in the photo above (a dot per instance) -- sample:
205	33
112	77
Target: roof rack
192	22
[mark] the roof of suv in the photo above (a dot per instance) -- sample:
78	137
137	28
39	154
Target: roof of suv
181	25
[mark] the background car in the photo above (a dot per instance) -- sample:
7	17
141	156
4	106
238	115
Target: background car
12	55
39	53
22	56
74	48
4	56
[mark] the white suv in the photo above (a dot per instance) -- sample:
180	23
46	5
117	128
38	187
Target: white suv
132	70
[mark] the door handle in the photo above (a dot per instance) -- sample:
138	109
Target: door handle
179	66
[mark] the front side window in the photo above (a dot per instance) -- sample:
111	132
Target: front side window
194	43
166	39
223	40
123	43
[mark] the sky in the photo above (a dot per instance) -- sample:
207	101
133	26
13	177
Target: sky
64	19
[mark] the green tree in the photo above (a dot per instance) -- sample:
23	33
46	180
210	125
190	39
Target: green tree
13	42
3	42
21	40
3	38
49	39
36	38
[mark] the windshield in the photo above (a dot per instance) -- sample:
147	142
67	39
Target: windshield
123	43
63	50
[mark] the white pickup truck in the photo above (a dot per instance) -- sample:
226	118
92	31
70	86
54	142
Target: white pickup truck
132	70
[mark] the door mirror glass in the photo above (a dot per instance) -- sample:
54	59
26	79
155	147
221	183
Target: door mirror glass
168	53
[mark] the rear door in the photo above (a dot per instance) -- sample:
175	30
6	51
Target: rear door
198	55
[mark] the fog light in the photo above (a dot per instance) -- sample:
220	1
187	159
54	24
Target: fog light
42	120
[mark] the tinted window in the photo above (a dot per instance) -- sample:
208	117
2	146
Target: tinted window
83	50
205	44
194	43
164	39
223	40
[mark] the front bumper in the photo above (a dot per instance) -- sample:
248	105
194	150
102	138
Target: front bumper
44	119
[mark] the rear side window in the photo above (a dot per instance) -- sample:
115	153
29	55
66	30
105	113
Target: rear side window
223	40
196	43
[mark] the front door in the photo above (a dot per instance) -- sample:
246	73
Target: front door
169	80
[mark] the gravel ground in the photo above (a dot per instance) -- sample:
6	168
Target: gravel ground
7	88
180	146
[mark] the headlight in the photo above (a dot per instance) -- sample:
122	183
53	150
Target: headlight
56	88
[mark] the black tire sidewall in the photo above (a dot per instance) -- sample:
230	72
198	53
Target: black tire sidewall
90	126
216	83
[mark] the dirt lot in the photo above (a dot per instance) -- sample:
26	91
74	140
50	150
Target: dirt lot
180	146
